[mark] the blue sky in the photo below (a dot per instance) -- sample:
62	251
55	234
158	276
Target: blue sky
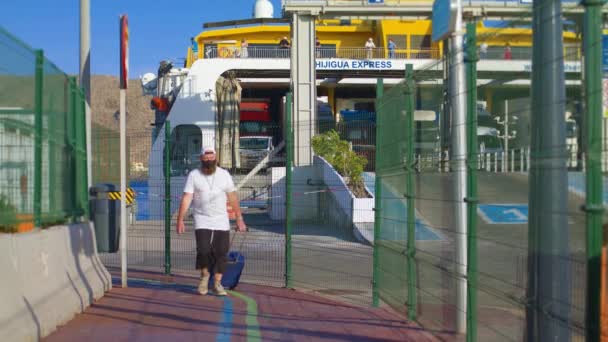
158	29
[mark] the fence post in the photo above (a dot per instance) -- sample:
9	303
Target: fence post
410	193
167	166
592	47
51	165
471	197
38	138
549	273
377	200
71	127
288	189
81	129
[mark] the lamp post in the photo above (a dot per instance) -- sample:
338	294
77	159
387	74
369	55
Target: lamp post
506	135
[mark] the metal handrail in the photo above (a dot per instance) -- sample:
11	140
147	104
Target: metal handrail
322	52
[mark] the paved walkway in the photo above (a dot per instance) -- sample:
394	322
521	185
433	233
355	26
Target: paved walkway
169	309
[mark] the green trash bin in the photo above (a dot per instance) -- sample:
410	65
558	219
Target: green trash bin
105	214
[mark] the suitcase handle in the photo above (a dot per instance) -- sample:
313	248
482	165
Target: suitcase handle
236	232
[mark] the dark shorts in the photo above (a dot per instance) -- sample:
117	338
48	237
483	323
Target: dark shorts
212	249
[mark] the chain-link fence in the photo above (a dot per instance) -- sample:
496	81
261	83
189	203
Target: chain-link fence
478	224
158	182
42	140
105	146
507	216
305	229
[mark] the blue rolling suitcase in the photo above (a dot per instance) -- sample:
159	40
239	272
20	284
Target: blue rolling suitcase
234	269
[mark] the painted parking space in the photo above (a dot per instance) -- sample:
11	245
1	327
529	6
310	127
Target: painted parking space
503	213
394	207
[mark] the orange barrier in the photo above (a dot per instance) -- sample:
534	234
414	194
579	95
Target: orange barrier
26	223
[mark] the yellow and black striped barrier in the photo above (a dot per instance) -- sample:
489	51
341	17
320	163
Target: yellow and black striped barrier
115	195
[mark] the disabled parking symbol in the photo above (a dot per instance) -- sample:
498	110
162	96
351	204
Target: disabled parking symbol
504	213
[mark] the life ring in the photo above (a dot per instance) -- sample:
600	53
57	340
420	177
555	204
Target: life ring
225	52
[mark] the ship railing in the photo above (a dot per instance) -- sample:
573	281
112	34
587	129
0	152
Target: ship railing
490	53
502	3
321	52
571	53
378	53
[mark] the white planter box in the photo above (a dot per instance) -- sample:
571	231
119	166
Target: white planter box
359	210
277	193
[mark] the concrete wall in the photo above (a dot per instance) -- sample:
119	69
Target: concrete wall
306	184
48	276
357	210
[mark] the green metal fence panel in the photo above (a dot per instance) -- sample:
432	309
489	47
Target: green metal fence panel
151	198
106	154
391	172
153	243
17	76
38	129
410	191
502	242
377	208
471	198
167	198
82	202
58	148
594	206
289	189
38	140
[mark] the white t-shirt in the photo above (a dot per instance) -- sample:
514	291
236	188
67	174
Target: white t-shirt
209	200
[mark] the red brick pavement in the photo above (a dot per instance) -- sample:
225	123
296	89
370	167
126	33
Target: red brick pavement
156	312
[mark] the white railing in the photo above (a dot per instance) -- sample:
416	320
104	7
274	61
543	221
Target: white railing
514	160
343	52
518	160
492	53
343	2
501	3
523	53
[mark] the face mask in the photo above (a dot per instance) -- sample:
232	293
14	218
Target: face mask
209	166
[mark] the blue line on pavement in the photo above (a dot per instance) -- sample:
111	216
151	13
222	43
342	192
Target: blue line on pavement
226	324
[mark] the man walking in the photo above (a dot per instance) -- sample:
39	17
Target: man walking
207	189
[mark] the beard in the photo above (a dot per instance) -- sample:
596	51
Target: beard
209	167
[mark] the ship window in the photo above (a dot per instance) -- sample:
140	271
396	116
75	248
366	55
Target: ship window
418	42
365	106
210	51
185	149
401	45
572	52
400	41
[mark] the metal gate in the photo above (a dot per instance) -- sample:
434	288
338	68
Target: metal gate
157	183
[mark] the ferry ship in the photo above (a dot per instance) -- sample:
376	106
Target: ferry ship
255	52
